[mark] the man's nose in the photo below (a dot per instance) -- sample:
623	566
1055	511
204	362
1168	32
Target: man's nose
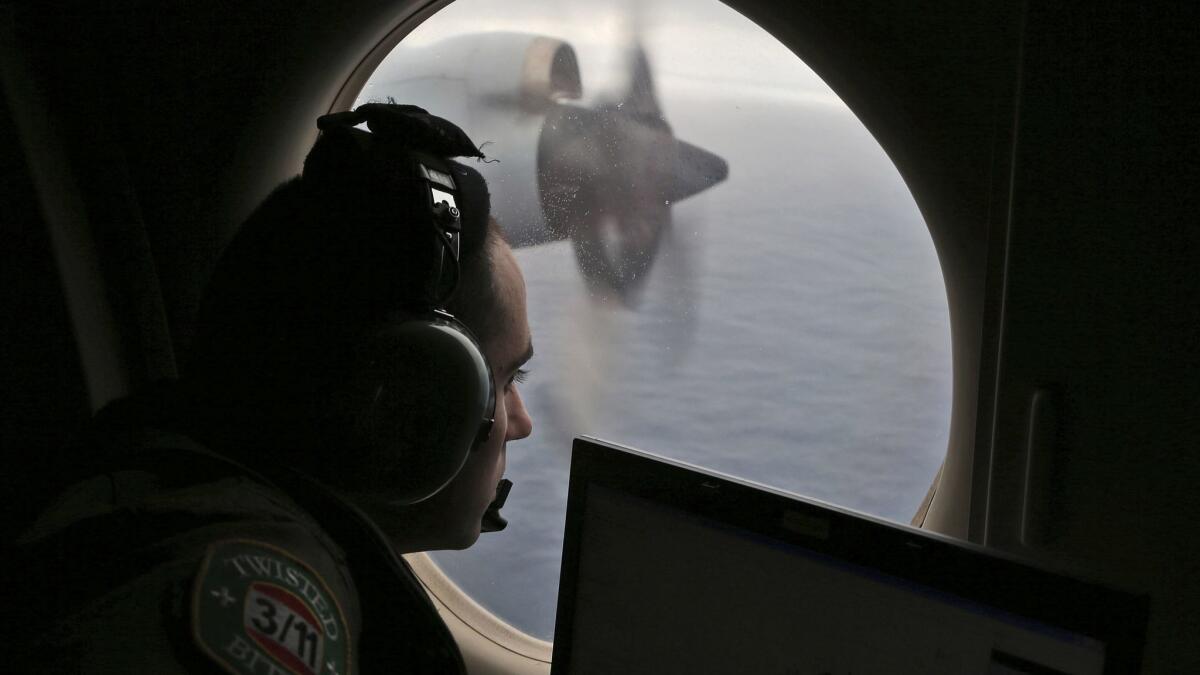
520	424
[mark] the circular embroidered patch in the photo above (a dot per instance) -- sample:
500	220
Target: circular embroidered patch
257	609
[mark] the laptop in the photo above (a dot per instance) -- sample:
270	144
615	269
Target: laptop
670	568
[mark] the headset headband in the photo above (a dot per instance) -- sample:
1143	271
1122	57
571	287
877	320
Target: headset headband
418	146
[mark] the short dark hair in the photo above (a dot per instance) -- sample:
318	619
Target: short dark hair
325	261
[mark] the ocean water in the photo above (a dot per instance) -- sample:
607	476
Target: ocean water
793	331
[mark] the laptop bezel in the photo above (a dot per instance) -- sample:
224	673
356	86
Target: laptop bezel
972	573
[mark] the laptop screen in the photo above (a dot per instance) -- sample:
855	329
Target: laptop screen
669	568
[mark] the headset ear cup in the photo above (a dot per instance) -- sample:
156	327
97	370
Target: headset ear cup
418	399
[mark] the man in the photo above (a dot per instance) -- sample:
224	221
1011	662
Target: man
249	517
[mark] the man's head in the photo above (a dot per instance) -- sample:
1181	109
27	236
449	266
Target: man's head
327	262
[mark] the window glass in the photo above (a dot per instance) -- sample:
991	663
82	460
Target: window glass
723	266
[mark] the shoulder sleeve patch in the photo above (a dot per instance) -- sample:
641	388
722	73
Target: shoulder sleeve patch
257	609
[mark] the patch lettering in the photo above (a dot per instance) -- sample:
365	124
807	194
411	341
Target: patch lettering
256	609
281	624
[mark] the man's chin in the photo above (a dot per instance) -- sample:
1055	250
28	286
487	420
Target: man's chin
465	540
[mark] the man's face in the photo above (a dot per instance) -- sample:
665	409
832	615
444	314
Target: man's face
451	518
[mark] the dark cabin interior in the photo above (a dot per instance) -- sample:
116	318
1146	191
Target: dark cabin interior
1052	150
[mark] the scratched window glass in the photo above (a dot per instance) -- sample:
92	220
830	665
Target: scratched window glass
723	266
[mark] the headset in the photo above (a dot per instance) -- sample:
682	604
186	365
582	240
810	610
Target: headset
420	395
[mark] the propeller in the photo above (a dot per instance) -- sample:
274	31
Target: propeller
606	177
609	177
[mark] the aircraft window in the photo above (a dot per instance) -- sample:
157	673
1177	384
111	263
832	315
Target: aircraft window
723	266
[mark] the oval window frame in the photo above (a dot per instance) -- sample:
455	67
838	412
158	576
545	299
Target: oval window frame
456	606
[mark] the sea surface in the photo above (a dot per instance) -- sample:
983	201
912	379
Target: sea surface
793	331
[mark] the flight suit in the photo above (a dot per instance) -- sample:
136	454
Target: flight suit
182	561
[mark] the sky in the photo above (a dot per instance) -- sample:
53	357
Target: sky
687	41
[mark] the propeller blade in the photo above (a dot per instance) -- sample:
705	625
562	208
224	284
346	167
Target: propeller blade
696	170
641	99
